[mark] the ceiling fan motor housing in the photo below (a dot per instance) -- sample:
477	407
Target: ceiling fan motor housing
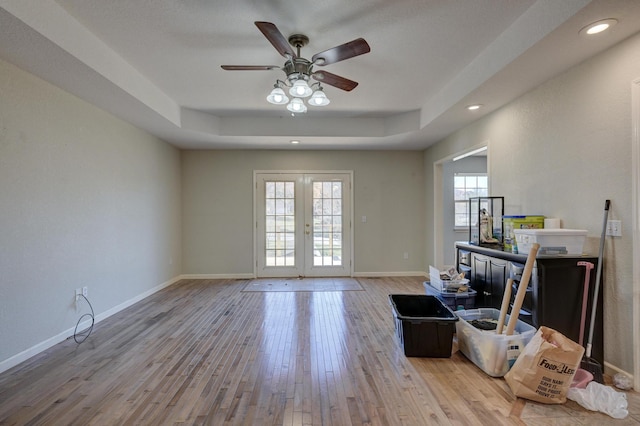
297	68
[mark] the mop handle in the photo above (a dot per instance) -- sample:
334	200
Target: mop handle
598	276
585	298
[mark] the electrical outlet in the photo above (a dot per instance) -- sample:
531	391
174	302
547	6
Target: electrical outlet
85	291
614	228
406	255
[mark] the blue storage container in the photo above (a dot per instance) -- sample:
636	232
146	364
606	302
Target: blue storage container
455	301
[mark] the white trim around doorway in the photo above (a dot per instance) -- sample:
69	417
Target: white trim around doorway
256	173
635	202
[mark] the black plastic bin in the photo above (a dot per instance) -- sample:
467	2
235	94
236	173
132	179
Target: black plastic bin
424	325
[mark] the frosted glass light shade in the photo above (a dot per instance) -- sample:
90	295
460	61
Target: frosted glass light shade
297	106
319	99
277	97
300	89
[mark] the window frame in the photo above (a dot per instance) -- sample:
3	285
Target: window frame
470	191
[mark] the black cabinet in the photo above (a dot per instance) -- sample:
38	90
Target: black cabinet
488	276
479	279
554	293
498	279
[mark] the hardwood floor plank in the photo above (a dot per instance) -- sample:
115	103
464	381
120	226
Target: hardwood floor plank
203	352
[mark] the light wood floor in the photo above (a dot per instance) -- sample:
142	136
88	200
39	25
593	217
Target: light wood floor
205	352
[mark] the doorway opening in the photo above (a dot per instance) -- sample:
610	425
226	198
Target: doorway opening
472	160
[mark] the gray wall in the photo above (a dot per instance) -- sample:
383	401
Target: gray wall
218	207
85	200
561	150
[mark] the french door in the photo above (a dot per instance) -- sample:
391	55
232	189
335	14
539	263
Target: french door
303	224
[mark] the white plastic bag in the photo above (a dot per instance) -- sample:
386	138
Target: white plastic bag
597	397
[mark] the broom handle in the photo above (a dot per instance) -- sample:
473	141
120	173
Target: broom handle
598	276
506	298
522	288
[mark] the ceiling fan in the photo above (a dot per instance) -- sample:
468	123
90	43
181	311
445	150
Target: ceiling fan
299	70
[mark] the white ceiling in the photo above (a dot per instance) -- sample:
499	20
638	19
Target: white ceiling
156	63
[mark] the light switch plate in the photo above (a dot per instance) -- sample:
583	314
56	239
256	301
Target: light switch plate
614	228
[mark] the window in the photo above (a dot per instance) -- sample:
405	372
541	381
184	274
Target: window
280	223
327	223
466	185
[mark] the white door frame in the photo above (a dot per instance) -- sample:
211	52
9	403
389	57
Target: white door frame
635	203
438	203
348	221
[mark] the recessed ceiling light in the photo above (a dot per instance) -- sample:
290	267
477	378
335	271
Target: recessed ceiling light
474	107
295	142
598	26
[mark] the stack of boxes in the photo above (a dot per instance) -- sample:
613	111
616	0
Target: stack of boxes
519	222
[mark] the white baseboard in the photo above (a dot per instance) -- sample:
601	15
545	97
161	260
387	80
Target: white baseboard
391	274
252	276
34	350
612	370
217	276
54	340
136	299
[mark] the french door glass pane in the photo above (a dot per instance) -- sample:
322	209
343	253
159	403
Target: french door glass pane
327	223
280	223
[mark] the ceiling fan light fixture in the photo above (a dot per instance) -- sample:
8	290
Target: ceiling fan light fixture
277	97
300	89
296	106
319	98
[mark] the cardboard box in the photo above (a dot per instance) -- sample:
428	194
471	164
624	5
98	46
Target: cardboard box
519	222
442	284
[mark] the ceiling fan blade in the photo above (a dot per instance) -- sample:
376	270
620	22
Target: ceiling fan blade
273	34
249	67
340	53
335	80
